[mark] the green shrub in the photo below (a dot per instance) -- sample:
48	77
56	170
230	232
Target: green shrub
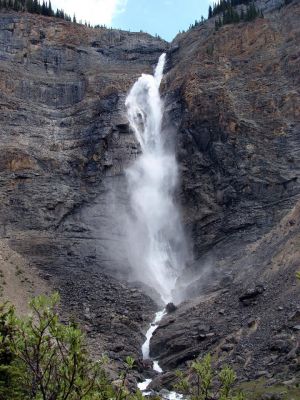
200	383
41	358
11	370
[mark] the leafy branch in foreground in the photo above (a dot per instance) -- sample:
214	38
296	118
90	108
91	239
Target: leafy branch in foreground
41	358
200	383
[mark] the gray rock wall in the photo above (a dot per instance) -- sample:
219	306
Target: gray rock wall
64	142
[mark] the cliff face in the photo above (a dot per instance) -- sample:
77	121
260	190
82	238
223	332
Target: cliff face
237	103
64	137
233	99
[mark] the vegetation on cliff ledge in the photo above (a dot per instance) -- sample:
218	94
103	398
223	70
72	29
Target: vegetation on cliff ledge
35	7
230	14
226	13
224	5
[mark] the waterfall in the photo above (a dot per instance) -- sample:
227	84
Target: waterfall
156	243
155	235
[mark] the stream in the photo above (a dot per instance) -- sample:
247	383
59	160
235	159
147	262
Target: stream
146	356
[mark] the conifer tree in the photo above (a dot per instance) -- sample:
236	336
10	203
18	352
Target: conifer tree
15	6
31	6
242	17
44	10
50	11
230	14
35	7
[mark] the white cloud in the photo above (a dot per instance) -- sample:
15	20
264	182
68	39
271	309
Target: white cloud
93	11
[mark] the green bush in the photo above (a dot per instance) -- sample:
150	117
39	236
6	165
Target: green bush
43	359
200	383
11	370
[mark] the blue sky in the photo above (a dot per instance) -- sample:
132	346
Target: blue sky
162	17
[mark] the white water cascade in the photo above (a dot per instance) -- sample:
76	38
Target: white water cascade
156	241
146	355
154	229
146	345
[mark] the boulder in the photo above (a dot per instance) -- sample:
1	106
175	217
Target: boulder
170	308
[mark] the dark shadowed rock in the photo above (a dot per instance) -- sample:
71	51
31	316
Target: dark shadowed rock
251	294
165	380
170	307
